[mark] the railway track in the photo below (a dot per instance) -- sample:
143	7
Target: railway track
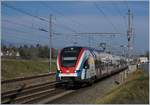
25	89
32	94
27	78
16	83
39	93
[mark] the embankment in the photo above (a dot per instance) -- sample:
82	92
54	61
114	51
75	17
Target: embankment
134	91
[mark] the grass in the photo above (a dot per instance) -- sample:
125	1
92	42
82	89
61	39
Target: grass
134	91
22	68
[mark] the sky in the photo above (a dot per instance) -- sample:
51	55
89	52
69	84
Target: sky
22	20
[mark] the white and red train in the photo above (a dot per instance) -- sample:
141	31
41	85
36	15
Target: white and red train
85	65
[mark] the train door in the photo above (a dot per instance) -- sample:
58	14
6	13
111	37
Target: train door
91	72
85	70
98	68
99	73
103	68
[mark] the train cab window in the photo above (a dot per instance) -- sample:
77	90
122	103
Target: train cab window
69	56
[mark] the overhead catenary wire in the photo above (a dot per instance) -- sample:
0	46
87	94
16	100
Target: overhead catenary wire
21	37
24	12
30	27
20	31
62	26
65	27
37	17
127	5
61	14
26	33
14	36
119	12
20	24
105	16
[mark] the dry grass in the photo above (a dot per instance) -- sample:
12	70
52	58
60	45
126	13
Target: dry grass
134	91
22	68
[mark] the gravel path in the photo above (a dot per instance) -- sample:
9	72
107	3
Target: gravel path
88	95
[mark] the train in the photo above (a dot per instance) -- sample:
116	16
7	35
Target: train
77	64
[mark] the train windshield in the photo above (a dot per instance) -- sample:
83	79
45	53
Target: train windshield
69	56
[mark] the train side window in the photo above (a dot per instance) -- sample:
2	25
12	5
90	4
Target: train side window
86	65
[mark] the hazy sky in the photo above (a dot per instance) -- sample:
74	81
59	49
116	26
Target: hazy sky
20	22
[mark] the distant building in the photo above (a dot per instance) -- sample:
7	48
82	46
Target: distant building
17	54
143	59
1	53
7	53
10	53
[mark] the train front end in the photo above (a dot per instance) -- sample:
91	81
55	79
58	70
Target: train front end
68	62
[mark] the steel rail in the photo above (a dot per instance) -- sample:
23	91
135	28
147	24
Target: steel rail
25	88
28	78
8	96
42	93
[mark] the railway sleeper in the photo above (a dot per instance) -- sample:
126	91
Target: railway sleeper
26	90
41	97
37	89
31	96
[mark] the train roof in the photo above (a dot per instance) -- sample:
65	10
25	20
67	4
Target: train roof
89	48
100	52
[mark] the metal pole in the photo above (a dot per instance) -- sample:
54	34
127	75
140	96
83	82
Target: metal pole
129	32
50	42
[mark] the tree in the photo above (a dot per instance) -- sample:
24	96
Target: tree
25	46
4	48
43	52
25	52
30	52
14	49
38	45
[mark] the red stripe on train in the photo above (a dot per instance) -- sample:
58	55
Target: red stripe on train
79	57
